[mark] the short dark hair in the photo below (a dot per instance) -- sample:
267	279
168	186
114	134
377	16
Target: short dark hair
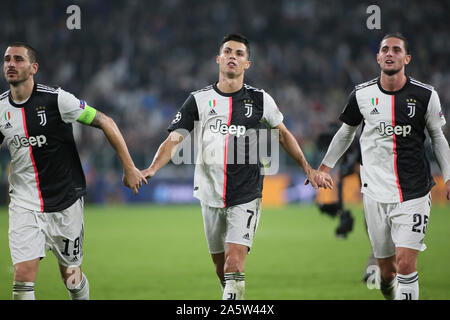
397	35
32	53
236	37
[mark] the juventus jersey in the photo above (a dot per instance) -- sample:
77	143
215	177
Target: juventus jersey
394	167
222	122
46	173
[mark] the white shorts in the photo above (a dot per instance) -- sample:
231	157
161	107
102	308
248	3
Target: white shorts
392	225
236	224
31	233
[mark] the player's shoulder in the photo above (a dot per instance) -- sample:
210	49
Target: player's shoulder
43	88
418	84
366	84
202	90
4	96
252	89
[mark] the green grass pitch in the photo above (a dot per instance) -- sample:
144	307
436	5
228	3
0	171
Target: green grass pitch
159	252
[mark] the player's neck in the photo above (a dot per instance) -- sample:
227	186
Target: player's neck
228	85
22	91
393	82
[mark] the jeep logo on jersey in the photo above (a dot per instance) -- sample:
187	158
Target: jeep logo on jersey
397	130
31	141
224	129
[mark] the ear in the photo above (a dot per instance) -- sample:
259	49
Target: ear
218	59
34	68
378	58
407	59
248	64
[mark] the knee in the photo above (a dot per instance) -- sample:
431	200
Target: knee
24	273
233	264
405	265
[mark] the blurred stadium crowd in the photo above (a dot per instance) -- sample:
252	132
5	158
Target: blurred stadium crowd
137	61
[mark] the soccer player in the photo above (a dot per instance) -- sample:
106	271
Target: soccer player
395	110
47	182
230	192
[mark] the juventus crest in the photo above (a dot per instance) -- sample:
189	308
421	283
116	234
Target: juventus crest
42	116
248	104
411	104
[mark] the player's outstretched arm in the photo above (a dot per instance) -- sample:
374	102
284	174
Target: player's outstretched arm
290	145
132	177
441	152
164	154
341	141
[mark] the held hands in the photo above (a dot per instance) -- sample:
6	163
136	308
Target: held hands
148	173
319	178
133	178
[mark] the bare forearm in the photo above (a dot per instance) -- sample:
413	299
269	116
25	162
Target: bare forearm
115	138
165	151
292	148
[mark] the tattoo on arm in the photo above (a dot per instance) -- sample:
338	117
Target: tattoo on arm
97	120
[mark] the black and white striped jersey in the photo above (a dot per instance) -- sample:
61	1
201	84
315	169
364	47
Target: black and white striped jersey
46	173
394	166
225	128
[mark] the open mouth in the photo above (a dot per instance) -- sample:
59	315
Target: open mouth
389	62
231	64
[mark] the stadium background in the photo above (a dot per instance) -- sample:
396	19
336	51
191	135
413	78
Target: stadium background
137	61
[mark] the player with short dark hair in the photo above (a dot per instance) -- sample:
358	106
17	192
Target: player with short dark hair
223	116
395	111
46	182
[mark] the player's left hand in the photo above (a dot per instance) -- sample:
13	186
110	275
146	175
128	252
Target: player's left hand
133	179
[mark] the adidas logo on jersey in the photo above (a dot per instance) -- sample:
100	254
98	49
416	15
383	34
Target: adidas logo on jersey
212	113
374	111
8	125
246	236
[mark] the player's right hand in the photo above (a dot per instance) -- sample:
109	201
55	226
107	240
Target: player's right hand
133	179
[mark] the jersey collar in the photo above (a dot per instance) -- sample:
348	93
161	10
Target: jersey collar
393	92
227	94
23	104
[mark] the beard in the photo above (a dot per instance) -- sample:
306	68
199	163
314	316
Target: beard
391	72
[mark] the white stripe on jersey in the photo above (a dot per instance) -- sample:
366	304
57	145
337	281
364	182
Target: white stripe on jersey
420	84
43	87
365	84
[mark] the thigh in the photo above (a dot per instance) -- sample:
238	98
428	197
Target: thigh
409	223
26	236
65	232
242	222
214	223
378	227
